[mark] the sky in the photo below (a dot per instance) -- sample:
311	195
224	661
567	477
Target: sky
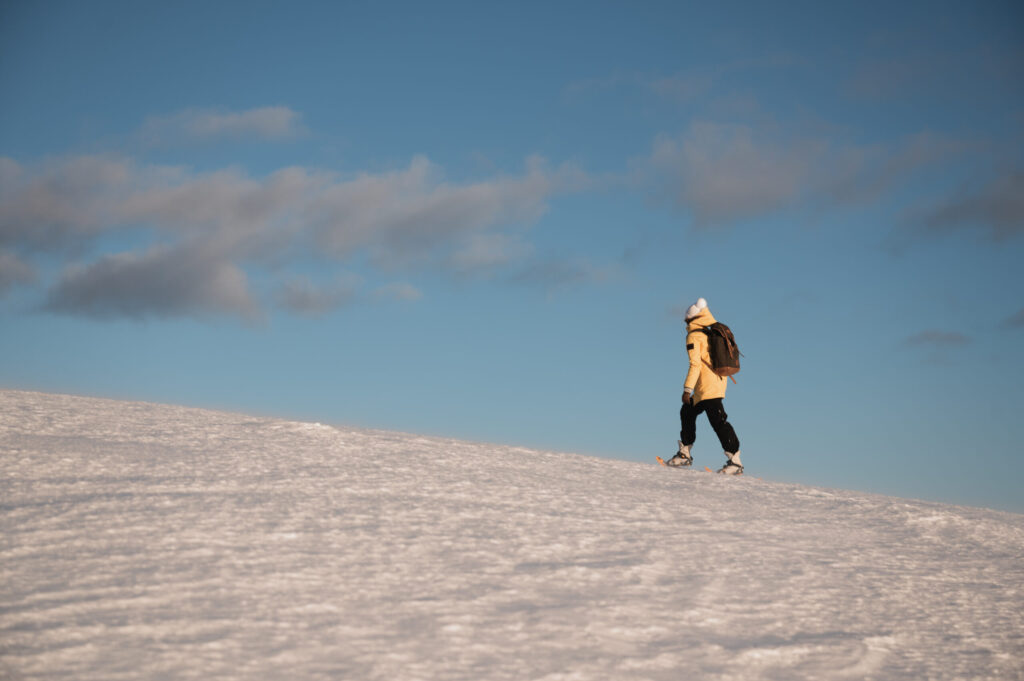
485	220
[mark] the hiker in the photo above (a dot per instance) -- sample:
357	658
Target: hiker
703	393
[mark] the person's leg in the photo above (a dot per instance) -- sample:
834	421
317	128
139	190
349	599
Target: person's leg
687	435
688	423
720	423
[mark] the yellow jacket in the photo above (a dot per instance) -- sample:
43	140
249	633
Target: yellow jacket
704	383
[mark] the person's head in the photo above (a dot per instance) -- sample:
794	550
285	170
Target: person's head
696	309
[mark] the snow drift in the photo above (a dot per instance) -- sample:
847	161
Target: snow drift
142	541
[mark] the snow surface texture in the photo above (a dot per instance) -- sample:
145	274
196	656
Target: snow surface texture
154	542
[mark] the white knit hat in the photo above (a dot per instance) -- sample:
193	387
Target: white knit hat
695	309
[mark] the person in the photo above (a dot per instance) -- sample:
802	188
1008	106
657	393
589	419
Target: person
703	393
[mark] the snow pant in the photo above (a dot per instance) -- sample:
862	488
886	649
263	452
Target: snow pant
719	421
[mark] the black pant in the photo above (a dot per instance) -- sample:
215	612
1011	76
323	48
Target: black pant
719	421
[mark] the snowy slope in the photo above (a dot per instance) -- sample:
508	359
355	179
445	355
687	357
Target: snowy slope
154	542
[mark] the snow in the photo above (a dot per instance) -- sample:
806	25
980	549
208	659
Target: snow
144	541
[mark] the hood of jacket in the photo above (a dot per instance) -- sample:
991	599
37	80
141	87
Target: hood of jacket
703	318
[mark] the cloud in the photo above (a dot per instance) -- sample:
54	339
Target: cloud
724	173
300	296
213	223
697	83
678	311
59	204
1015	321
936	339
160	282
488	251
883	78
399	291
995	210
265	123
617	80
862	174
979	72
688	86
936	347
13	272
10	172
403	216
555	274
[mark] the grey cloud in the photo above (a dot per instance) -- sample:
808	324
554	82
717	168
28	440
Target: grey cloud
161	282
614	81
554	274
1015	321
936	347
70	202
895	76
951	73
304	298
272	122
996	209
483	252
10	173
726	173
398	291
934	338
14	271
687	86
697	82
678	311
404	215
408	216
241	217
861	174
63	203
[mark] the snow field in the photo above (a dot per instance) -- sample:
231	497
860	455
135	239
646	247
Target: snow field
144	541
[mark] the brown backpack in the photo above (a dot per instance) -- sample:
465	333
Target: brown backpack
722	348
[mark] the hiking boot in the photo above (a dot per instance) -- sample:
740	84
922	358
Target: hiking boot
681	459
733	465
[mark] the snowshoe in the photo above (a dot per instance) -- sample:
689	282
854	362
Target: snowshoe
733	466
681	459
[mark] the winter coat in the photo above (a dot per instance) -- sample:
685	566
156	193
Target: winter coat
701	379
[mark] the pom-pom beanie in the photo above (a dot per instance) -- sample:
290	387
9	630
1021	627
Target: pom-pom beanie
695	309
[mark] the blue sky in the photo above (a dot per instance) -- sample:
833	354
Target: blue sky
483	221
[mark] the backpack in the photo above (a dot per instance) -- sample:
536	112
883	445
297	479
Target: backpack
725	355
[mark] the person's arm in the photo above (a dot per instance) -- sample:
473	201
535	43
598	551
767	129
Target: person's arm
694	346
